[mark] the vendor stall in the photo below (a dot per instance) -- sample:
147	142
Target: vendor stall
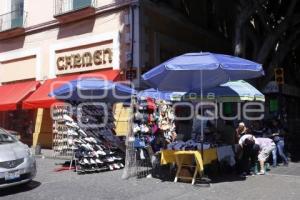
84	127
195	71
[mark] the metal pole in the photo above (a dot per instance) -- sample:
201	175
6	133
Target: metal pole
280	102
202	131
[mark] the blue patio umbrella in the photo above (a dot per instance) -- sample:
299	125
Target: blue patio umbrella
198	71
163	95
232	91
93	89
194	71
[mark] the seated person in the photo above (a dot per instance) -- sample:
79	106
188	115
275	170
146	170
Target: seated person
241	130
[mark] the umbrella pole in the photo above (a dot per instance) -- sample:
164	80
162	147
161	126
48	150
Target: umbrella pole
204	180
201	99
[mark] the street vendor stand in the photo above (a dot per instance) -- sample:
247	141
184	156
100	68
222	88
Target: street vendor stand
198	71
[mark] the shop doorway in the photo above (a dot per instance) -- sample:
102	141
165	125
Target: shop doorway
20	122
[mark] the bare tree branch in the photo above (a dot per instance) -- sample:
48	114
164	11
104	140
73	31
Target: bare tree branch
251	33
280	55
247	10
272	39
263	16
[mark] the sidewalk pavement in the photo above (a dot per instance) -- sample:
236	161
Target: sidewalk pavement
49	153
281	183
293	169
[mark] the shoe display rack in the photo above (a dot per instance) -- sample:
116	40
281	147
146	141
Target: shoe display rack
62	134
97	150
90	142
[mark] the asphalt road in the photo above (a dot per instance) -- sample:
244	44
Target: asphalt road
282	183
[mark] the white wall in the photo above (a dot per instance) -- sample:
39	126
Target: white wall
39	11
5	6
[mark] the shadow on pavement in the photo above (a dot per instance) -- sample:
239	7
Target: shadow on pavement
227	178
19	188
210	176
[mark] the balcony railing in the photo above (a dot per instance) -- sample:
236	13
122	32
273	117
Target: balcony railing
65	6
12	20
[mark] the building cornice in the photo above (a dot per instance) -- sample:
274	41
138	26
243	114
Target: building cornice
100	10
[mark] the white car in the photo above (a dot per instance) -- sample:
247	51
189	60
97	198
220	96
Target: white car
17	164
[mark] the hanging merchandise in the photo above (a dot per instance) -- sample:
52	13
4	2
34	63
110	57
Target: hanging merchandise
150	119
166	119
153	124
143	127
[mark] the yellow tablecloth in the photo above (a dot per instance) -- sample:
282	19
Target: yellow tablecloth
168	156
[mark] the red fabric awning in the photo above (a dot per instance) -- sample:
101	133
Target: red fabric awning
40	98
12	94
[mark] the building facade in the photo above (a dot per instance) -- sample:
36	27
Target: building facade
45	43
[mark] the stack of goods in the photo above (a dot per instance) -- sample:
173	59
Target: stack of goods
188	145
92	140
153	125
152	121
62	140
145	117
97	123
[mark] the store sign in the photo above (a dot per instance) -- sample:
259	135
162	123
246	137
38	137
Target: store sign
83	60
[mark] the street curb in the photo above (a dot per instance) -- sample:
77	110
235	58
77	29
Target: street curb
50	157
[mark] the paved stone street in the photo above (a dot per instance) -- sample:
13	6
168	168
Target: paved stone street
282	183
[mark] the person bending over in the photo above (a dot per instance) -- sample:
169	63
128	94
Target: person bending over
249	153
266	146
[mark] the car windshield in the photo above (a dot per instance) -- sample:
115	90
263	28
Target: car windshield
6	138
